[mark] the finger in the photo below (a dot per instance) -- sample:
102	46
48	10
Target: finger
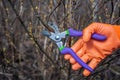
75	48
87	32
94	62
82	50
77	45
67	56
85	58
80	53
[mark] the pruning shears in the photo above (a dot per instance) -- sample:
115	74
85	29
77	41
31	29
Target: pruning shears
57	37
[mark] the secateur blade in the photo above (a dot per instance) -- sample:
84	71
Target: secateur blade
53	26
46	33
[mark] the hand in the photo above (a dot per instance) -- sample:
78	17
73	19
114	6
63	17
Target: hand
92	51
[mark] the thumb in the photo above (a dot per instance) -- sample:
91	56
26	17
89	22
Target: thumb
87	34
88	31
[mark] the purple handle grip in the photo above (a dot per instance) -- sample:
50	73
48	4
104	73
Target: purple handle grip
79	33
71	52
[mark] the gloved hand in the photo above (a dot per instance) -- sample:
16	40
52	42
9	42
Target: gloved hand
93	51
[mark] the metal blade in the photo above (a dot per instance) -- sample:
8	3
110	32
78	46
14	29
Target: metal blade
59	44
46	33
62	34
54	27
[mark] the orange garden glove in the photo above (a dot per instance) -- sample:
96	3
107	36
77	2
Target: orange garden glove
92	51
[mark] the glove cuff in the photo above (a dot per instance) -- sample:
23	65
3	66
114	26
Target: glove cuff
117	30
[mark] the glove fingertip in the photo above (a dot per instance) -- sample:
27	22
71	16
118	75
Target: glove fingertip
76	66
86	35
67	57
86	73
72	61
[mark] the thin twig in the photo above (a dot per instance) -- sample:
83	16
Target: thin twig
114	11
31	36
101	5
116	20
59	3
39	18
6	74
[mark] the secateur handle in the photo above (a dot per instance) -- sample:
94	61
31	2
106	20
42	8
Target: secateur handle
67	50
80	33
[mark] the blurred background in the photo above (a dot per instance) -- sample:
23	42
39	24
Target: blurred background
25	54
